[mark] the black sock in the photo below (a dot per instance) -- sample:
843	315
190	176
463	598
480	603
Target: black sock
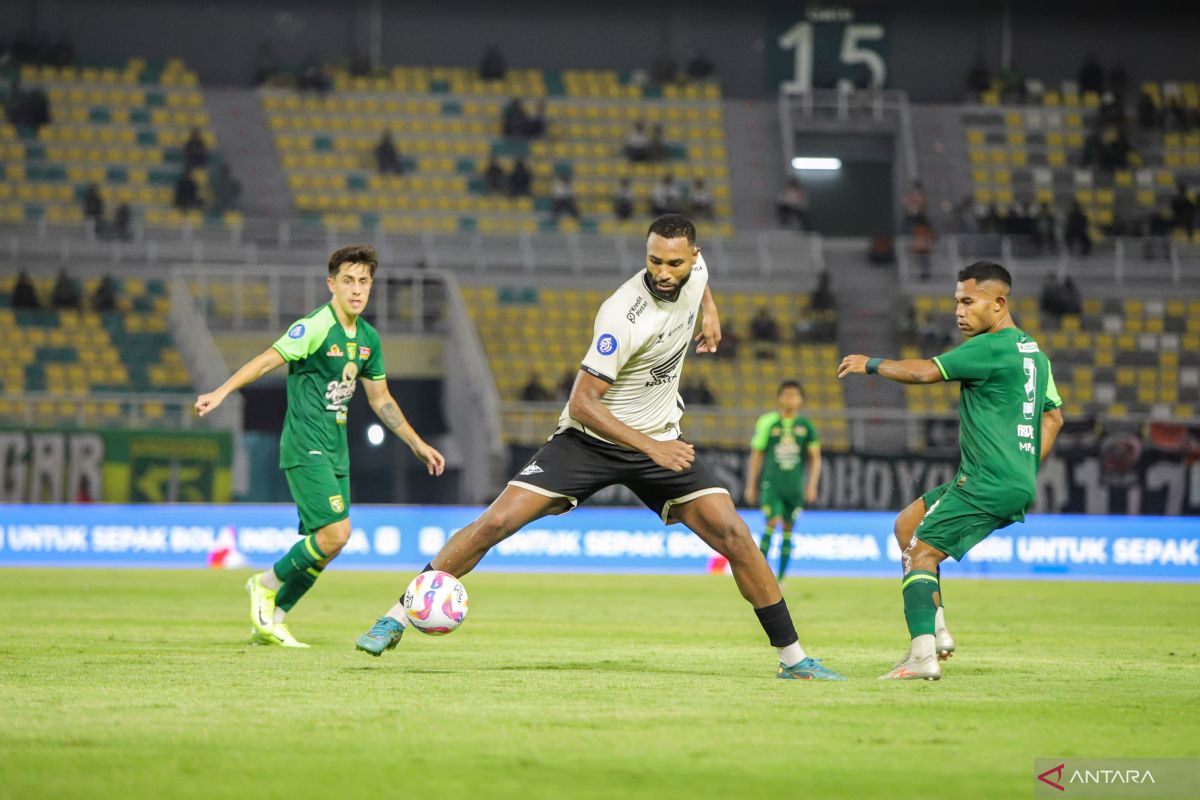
777	623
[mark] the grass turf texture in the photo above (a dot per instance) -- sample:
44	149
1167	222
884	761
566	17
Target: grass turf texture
139	684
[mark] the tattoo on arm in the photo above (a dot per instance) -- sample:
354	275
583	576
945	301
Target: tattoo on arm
391	416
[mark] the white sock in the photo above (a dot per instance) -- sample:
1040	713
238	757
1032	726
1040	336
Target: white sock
791	655
922	647
270	580
939	619
279	615
397	613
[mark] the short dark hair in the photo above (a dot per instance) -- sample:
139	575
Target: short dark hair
982	271
790	385
673	226
354	254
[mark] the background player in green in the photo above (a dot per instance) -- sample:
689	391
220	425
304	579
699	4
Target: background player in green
785	468
326	351
1009	415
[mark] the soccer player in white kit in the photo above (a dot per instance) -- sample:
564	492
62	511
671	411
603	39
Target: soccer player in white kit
621	425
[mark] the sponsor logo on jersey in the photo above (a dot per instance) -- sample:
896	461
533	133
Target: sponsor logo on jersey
1027	347
532	469
606	345
337	503
364	352
635	310
297	331
662	371
335	351
351	350
692	317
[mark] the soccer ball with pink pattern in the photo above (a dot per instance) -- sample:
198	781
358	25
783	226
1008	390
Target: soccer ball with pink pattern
435	602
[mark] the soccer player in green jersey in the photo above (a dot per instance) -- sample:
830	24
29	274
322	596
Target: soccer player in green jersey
326	352
1009	415
785	468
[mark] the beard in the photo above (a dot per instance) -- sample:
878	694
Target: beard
670	296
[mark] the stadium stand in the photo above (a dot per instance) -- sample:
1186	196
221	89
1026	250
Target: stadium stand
70	357
119	127
447	124
513	325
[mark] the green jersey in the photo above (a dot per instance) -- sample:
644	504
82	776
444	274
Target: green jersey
324	363
1006	387
784	444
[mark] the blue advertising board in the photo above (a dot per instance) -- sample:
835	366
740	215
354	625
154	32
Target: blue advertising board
585	540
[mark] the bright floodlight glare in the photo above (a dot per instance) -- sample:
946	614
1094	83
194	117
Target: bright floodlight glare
805	162
375	435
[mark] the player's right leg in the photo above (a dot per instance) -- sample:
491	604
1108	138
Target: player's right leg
905	526
515	508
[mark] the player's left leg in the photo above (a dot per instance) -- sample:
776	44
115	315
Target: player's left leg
904	529
920	590
790	513
714	519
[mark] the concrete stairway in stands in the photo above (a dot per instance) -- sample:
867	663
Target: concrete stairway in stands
244	138
942	160
756	171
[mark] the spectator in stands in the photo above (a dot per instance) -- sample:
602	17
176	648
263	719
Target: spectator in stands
535	123
923	239
494	179
93	204
697	392
665	198
195	151
122	222
187	192
1183	211
657	149
915	206
387	160
729	342
763	327
312	75
979	80
700	200
663	69
1118	81
520	181
1158	228
699	67
1114	154
226	189
1051	301
792	205
1076	232
66	291
1091	76
24	295
514	122
567	384
1012	84
562	197
493	66
1072	303
534	392
623	200
637	144
29	109
105	296
1111	112
1046	228
988	219
823	298
1175	118
1148	113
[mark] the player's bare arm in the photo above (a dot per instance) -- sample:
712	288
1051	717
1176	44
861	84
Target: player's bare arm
586	408
388	410
814	474
710	324
1052	422
249	372
911	370
752	475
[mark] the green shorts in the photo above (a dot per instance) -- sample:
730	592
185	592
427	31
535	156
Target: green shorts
953	525
780	505
321	496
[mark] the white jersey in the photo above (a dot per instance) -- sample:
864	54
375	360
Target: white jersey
639	344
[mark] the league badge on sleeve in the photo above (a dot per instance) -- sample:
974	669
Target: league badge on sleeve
297	331
606	345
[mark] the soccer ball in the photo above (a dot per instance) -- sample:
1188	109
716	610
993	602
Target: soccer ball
435	602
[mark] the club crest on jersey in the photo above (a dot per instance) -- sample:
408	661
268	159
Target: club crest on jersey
364	352
351	350
335	351
606	345
337	503
297	331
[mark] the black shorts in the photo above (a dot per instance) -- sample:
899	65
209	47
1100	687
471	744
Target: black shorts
574	466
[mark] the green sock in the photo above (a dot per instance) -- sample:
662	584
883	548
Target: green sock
941	596
764	543
304	554
919	606
785	553
291	592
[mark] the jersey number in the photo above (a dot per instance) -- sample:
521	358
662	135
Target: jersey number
1030	388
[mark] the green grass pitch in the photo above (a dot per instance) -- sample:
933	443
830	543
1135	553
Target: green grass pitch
139	684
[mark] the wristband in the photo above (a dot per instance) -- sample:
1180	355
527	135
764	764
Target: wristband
873	365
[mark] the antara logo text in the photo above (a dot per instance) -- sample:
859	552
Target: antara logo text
1057	775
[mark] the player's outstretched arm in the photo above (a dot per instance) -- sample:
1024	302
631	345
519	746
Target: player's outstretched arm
1052	422
752	474
389	413
814	473
586	409
912	370
710	324
249	372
